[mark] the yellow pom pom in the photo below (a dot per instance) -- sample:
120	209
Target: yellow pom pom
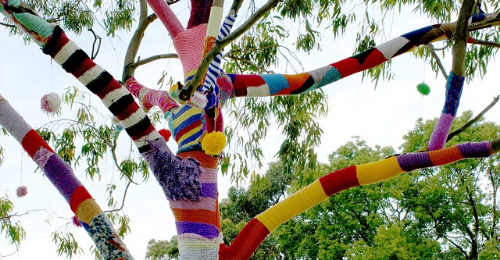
213	143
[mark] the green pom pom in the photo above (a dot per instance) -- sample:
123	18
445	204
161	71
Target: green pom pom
424	89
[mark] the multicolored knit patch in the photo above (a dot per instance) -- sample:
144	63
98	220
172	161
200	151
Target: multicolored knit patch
106	239
187	123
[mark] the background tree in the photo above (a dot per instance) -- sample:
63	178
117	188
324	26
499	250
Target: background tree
288	148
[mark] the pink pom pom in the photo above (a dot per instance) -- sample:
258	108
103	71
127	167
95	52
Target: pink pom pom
76	222
21	191
165	133
50	103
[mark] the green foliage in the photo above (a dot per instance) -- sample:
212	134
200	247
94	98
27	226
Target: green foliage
12	229
66	243
79	15
162	249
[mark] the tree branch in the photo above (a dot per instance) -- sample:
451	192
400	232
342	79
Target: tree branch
151	59
485	43
135	41
8	25
22	214
475	119
432	50
123	200
460	37
97	41
457	246
190	87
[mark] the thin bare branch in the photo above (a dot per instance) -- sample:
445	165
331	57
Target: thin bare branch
123	200
485	43
432	50
22	214
475	119
141	62
135	41
115	160
7	25
97	41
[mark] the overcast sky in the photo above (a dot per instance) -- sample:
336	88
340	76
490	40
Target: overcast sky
380	117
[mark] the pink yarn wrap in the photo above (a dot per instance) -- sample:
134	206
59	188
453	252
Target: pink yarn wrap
166	16
152	97
189	46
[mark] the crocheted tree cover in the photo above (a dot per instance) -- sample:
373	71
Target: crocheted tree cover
89	214
196	208
454	86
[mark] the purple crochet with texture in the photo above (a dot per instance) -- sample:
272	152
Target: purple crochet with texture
440	133
209	189
179	178
60	174
412	161
475	150
202	229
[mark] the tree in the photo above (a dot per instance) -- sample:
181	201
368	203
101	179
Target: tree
163	250
195	112
435	213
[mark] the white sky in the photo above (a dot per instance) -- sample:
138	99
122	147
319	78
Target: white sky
380	117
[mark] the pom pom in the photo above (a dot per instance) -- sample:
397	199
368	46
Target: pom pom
76	222
213	143
50	103
165	133
21	191
424	89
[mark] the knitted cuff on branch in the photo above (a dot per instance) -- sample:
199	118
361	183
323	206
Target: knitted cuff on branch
454	87
151	97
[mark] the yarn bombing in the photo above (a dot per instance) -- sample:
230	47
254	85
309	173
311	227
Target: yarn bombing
21	191
50	103
191	185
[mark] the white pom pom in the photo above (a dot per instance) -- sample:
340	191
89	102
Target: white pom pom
50	103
